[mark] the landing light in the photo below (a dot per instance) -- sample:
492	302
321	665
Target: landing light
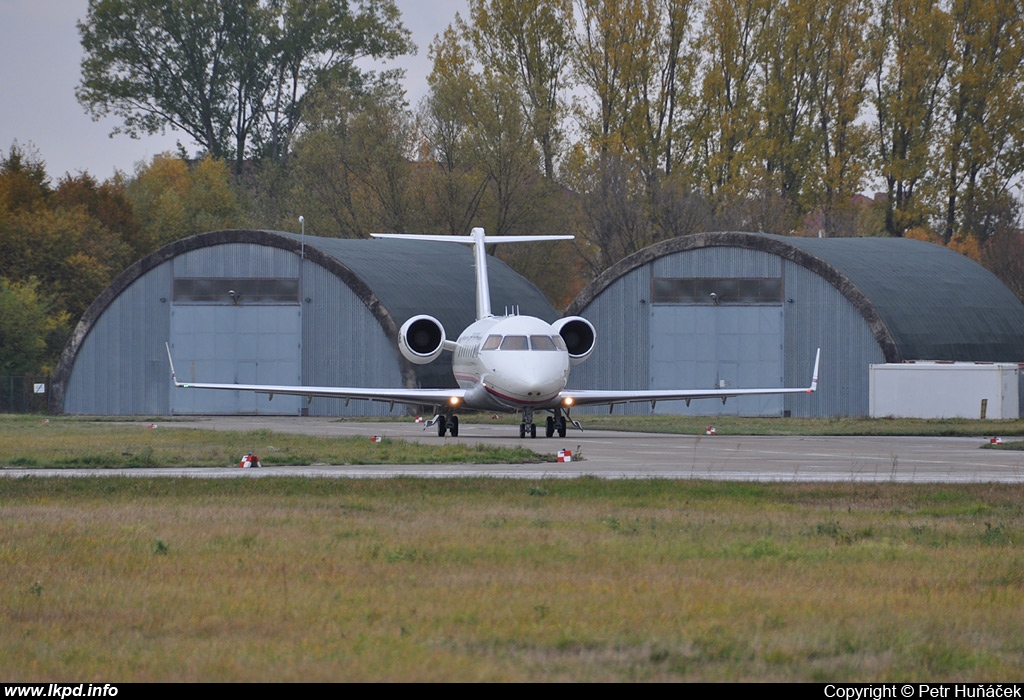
454	401
567	401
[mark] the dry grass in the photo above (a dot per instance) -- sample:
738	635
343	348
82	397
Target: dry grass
492	580
34	441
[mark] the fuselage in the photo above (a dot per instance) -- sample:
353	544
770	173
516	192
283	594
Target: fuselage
511	362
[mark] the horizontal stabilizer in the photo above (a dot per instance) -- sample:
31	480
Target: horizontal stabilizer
478	239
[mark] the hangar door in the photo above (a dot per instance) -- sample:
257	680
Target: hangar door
236	331
717	333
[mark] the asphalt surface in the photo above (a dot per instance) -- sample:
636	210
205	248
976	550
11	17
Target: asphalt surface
617	455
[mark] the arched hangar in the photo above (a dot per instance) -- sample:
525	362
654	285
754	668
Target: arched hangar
747	310
262	307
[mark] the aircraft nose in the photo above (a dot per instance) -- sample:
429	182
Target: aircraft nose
538	380
543	382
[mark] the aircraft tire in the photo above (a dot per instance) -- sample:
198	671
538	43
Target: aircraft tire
533	430
442	426
549	427
561	427
522	430
453	426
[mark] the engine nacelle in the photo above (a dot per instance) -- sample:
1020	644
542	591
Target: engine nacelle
579	336
421	339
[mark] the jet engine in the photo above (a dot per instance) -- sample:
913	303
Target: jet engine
421	339
579	336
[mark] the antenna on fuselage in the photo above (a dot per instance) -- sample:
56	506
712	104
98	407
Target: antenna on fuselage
478	240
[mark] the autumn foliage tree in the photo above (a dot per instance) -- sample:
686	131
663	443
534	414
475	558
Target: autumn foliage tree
172	199
59	247
235	75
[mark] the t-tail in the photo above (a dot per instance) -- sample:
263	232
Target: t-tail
478	239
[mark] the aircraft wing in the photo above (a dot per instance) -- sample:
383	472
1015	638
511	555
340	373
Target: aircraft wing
413	397
593	397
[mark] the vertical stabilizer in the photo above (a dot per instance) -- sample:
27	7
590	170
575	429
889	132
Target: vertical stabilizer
478	240
483	287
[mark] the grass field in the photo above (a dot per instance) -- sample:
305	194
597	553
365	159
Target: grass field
35	441
115	579
139	579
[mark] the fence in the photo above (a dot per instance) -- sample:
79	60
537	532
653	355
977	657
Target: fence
24	394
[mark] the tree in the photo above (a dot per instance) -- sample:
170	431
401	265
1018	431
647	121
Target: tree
731	42
31	332
837	93
909	54
232	74
784	140
106	202
983	135
635	61
1003	254
456	182
173	200
353	167
23	180
527	42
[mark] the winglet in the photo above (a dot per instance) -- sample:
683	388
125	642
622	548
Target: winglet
174	377
814	376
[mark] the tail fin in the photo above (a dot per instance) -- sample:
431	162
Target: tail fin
478	240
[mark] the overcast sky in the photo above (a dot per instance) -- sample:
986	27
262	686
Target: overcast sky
40	57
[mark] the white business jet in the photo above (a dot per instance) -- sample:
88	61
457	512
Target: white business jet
508	363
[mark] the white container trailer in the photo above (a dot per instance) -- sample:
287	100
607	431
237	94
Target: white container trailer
945	390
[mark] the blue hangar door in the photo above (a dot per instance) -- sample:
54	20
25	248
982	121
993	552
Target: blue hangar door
718	333
237	331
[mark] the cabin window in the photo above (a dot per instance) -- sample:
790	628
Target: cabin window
541	342
492	342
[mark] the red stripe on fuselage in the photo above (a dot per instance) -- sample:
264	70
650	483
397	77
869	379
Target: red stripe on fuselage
520	402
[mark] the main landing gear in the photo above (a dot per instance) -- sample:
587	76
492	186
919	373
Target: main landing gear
555	424
445	424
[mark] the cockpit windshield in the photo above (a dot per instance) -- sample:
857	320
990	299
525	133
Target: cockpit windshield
515	342
522	342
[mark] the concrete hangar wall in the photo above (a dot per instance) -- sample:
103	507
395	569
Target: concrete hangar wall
747	310
271	308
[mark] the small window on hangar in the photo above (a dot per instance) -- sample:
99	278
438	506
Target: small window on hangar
261	290
717	290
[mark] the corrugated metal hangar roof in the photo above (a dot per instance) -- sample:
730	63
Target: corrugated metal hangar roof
669	309
922	301
340	305
935	303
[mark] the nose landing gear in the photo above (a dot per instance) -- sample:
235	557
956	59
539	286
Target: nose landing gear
528	425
